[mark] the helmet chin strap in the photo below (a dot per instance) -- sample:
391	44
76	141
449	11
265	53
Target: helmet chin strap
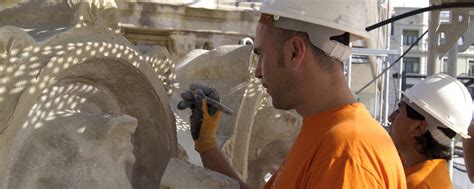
336	50
433	124
437	134
318	35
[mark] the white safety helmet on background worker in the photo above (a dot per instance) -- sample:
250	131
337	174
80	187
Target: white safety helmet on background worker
322	19
444	102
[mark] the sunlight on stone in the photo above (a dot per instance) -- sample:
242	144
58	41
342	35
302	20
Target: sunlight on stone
13	52
18	73
181	125
101	61
34	65
38	125
25	125
25	54
36	49
81	130
61	52
16	90
31	90
42	85
18	84
13	59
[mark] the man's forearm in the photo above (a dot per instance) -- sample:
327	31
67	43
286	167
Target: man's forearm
215	160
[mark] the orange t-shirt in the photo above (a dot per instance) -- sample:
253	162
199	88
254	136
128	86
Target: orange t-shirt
341	148
430	174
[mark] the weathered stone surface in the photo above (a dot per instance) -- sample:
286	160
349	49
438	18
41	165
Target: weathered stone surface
273	133
73	149
70	105
41	19
46	18
12	42
224	68
181	174
183	26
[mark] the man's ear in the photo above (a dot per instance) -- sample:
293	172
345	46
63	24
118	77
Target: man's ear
298	50
419	128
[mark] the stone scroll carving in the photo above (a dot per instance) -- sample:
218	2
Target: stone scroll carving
73	146
83	108
96	13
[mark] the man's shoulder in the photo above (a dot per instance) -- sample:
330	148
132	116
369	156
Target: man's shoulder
429	174
356	127
353	136
355	115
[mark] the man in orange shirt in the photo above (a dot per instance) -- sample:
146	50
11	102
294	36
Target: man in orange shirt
301	47
429	116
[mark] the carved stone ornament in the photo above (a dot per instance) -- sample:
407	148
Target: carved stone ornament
83	108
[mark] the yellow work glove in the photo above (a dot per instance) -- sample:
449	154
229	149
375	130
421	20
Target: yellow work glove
204	118
206	139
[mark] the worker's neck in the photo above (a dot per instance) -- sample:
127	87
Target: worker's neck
324	96
412	157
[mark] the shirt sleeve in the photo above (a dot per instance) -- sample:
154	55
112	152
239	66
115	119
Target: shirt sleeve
341	173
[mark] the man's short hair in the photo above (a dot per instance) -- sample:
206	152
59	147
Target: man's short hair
429	146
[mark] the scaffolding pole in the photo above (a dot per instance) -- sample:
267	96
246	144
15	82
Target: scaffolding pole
386	94
433	43
400	71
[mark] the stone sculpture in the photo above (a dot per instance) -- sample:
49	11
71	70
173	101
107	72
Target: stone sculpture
72	147
76	98
181	174
74	105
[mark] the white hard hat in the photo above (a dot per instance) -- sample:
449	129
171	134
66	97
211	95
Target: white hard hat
322	19
445	102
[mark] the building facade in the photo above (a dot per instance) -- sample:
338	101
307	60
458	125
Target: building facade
404	33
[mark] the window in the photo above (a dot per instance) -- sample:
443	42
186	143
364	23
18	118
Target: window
409	37
471	67
445	65
412	64
391	29
444	16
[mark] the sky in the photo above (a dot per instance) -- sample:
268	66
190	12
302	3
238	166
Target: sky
410	3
